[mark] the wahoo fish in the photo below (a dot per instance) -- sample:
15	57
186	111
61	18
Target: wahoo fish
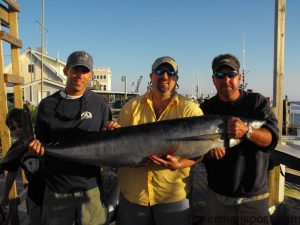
185	137
189	137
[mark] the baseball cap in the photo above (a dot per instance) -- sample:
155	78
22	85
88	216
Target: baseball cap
165	59
225	60
80	58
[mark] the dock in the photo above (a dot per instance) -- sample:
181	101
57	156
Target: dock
284	213
287	212
22	216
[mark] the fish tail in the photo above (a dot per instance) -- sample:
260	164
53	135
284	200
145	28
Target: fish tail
20	146
27	135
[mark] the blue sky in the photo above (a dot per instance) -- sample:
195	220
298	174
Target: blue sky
128	35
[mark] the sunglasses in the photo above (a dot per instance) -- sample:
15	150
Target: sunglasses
221	75
160	72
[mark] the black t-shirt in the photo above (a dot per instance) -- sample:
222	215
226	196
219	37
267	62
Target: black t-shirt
242	172
60	120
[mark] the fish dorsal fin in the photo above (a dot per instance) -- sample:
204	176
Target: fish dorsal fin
198	137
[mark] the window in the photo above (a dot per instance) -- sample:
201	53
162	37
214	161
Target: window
104	76
30	68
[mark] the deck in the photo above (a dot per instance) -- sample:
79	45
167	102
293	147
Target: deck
22	217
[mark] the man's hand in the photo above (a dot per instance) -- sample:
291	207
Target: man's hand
111	125
36	147
236	128
217	153
168	161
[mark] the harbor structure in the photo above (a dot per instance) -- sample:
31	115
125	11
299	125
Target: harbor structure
30	68
102	79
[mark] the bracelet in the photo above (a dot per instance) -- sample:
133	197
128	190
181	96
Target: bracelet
248	133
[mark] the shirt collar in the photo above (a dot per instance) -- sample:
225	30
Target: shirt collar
148	98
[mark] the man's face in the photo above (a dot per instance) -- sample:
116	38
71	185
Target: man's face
227	87
78	79
161	81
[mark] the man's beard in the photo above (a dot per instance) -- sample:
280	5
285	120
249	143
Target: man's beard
165	88
227	92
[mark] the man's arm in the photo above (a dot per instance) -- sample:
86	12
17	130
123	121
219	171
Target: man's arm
261	137
237	129
41	133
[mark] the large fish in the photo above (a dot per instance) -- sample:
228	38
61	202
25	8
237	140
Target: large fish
187	137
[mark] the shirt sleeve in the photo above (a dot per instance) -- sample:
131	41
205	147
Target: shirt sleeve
192	109
271	121
106	115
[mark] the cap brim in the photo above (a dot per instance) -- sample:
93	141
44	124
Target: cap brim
226	64
168	64
79	64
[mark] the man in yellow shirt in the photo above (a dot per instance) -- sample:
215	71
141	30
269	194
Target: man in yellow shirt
157	193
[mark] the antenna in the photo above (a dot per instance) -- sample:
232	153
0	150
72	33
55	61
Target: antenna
42	49
41	25
244	85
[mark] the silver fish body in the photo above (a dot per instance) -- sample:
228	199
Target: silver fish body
185	137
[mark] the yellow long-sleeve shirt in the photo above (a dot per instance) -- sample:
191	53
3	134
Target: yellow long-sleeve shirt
150	185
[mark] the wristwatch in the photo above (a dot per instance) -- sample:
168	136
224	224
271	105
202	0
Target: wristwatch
248	133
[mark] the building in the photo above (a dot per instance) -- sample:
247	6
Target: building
30	69
102	79
53	76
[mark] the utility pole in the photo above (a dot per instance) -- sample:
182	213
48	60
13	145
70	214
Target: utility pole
42	47
276	180
124	79
279	37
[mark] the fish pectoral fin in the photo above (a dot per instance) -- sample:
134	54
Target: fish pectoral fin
203	137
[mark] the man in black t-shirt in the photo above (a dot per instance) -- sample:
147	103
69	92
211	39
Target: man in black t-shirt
71	191
237	176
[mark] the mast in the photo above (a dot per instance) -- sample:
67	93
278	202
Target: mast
243	86
42	48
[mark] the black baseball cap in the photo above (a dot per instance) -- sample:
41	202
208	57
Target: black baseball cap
80	58
225	60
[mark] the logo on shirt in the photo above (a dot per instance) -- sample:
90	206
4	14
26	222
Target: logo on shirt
86	115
